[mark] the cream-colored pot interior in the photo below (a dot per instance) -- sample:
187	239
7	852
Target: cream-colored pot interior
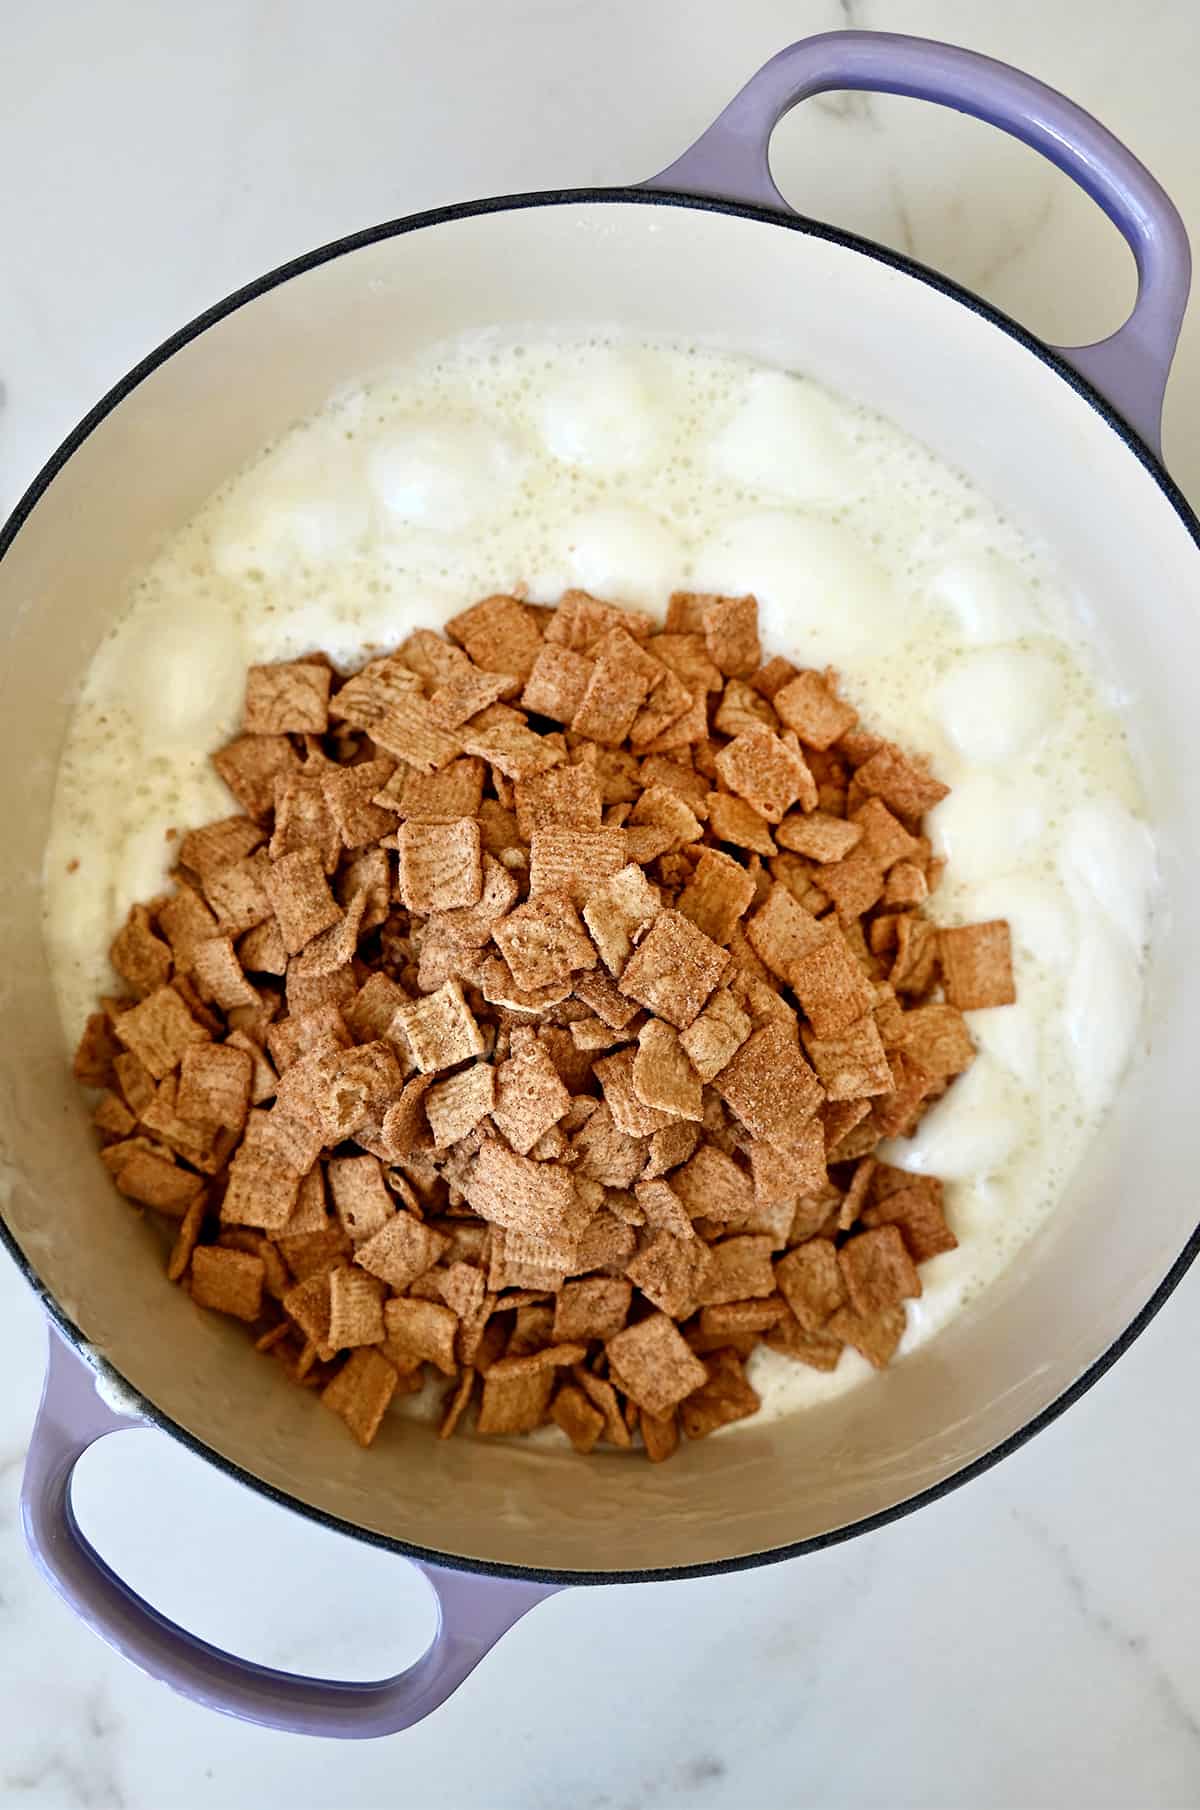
984	402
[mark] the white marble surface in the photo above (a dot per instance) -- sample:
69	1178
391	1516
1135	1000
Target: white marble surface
1033	1639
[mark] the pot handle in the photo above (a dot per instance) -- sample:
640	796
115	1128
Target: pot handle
1129	369
473	1611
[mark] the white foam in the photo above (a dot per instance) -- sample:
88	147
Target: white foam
633	470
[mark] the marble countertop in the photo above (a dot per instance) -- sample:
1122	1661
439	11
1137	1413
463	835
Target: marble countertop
1032	1639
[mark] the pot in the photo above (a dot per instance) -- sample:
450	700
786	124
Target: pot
1067	439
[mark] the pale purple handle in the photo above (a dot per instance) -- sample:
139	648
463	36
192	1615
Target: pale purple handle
1130	367
474	1611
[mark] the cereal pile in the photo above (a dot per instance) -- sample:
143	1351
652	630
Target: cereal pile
537	1021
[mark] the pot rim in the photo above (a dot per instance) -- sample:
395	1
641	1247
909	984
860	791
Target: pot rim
645	197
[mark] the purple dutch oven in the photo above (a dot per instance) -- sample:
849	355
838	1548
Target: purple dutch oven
1066	438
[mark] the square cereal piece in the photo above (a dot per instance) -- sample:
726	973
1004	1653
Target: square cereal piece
218	974
819	1350
876	1335
710	1185
112	1118
577	862
621	680
297	1036
662	1074
349	793
499	634
158	1031
771	678
537	1199
809	704
854	883
472	926
410	733
401	1250
515	1401
605	999
607	1243
581	621
155	1181
760	767
516	1261
367	696
884	836
802	1169
781	933
741	1271
672	1272
669	701
205	1147
355	1308
440	865
462	1287
725	1397
853	1065
557	682
455	791
303	819
668	1148
606	1154
261	950
616	910
686	654
237	894
288	698
687	731
504	739
529	1097
361	1392
674	969
712	1039
251	765
142	959
216	845
334	1092
595	1308
466	693
456	1105
770	1087
300	897
818	836
231	1282
877	1270
561	798
544	941
730	627
938	1041
831	987
810	1281
578	1418
718	894
654	1365
435	660
94	1057
732	820
185	922
261	1191
603	1396
632	1116
214	1085
423	1330
441	1029
915	967
496	983
917	1214
662	809
741	708
906	887
902	782
360	1198
733	1319
977	965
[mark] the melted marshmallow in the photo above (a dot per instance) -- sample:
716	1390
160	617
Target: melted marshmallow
633	470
